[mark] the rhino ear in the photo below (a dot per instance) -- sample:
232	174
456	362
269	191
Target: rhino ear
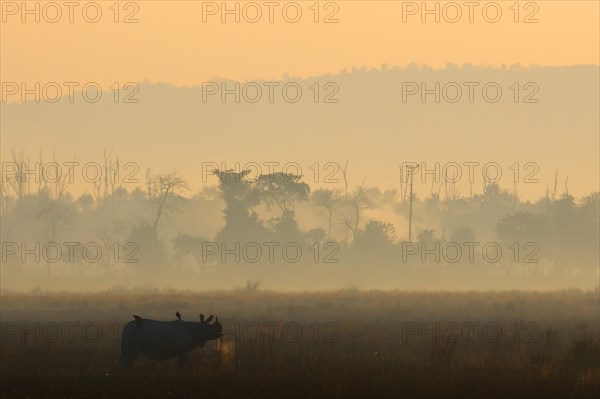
209	319
201	317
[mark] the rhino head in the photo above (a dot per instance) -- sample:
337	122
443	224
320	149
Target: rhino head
208	331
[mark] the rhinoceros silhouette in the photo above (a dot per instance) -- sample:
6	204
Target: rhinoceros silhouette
162	340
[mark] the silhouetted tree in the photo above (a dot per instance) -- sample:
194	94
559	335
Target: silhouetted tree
161	189
328	199
240	196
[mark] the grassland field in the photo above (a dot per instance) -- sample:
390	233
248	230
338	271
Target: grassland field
342	344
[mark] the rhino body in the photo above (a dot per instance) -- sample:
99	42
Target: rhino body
162	340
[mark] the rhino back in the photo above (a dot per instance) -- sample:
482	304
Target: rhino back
164	339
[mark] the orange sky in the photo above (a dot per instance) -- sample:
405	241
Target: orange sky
170	42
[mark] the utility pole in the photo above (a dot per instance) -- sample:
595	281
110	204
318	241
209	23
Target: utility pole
411	171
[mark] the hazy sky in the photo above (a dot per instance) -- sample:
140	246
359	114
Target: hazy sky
186	43
171	43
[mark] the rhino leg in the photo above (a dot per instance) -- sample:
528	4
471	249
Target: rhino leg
130	345
128	353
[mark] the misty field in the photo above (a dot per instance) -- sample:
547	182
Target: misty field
342	344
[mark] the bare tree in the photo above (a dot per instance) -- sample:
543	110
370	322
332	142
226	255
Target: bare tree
5	197
104	186
160	189
357	202
345	176
19	182
106	235
54	213
328	199
55	185
551	194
